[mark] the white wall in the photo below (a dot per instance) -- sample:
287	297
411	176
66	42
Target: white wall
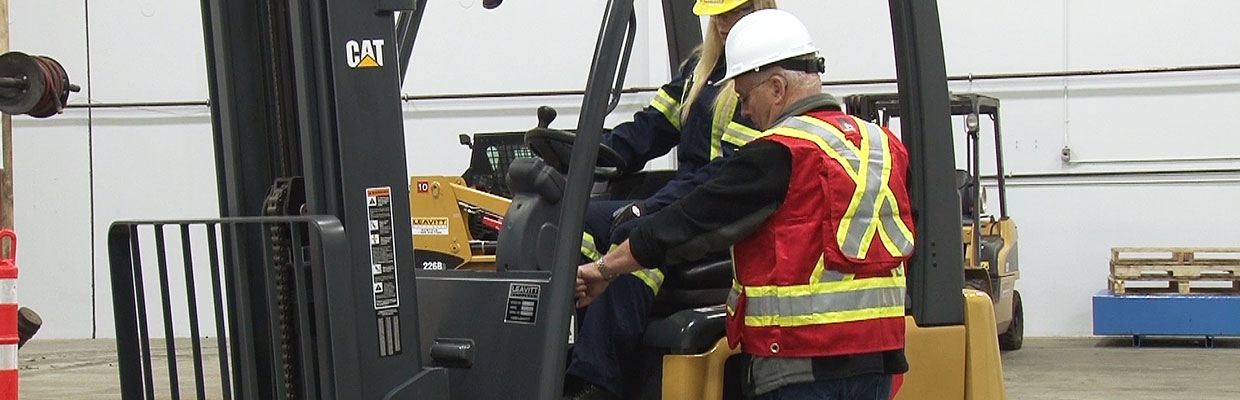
80	171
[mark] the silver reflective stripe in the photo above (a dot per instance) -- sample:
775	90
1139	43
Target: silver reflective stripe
892	228
831	276
774	306
864	214
834	141
734	296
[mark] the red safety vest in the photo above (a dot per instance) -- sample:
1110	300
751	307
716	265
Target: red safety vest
824	275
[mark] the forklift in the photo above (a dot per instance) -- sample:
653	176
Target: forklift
991	264
313	286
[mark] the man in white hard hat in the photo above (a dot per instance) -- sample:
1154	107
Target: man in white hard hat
817	213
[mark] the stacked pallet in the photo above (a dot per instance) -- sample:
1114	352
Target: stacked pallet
1179	267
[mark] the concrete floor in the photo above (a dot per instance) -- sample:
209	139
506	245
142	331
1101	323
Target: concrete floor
1046	369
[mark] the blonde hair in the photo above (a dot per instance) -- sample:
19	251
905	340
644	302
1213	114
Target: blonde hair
709	54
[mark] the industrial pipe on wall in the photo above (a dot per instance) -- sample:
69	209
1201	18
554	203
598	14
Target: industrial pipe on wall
852	82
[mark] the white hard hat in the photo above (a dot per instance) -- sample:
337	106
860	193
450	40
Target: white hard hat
764	37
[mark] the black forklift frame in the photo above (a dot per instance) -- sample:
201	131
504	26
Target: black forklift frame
294	99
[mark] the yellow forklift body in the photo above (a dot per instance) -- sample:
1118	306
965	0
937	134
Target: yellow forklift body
945	362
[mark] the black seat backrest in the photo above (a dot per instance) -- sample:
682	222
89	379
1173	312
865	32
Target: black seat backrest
527	239
965	184
695	284
991	245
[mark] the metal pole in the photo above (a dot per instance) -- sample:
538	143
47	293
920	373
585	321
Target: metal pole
999	167
6	135
407	26
580	179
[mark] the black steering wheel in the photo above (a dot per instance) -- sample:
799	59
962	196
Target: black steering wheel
556	146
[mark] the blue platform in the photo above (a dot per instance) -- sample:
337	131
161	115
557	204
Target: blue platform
1139	315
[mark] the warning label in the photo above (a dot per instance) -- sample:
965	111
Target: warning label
382	248
430	226
522	304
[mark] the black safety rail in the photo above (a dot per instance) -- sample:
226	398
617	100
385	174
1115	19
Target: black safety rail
320	365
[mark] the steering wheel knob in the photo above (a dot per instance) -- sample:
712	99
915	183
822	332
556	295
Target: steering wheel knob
545	116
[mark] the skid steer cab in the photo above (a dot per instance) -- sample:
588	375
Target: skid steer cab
499	218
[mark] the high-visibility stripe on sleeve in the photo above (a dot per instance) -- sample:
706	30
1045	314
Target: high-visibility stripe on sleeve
739	134
653	278
668	106
588	249
724	110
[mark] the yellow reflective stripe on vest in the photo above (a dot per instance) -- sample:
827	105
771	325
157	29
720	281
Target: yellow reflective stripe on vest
668	106
825	303
824	287
588	249
725	109
873	209
824	318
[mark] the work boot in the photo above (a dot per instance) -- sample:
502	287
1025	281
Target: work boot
589	391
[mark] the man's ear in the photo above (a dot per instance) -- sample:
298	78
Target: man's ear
781	88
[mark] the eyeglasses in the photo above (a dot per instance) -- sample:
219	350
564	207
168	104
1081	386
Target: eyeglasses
744	97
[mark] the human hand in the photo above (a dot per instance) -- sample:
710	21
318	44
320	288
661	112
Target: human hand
590	284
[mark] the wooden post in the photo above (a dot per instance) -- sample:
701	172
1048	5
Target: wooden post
6	175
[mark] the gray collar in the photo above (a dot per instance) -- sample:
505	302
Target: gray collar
811	103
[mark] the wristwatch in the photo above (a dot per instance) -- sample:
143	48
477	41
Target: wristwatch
607	274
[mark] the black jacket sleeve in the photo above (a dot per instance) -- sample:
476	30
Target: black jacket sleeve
747	189
654	130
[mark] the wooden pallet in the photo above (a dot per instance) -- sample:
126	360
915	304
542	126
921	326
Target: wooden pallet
1180	286
1201	256
1178	266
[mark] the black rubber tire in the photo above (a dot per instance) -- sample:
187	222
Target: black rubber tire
1015	335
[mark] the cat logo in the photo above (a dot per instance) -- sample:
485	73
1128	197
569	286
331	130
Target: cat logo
364	54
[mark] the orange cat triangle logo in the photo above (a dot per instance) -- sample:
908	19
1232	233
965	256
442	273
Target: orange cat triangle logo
368	62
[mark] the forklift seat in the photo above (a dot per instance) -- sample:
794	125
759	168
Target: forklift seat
533	217
693	285
689	311
991	245
965	184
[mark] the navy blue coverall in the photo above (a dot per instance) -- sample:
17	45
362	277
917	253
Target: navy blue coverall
608	342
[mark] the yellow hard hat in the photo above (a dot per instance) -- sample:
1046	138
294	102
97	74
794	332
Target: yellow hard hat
706	8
